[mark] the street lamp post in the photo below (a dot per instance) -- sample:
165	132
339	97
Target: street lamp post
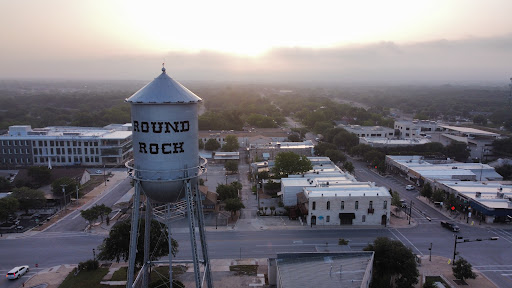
64	192
430	252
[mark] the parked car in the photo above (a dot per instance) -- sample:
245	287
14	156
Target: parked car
99	172
409	187
450	225
403	203
17	272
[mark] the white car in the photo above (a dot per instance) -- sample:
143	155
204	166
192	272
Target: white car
17	272
409	187
99	172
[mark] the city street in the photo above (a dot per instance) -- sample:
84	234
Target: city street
65	243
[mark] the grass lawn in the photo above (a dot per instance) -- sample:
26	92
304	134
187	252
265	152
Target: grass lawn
84	279
248	270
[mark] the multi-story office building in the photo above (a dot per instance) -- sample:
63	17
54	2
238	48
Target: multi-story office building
64	146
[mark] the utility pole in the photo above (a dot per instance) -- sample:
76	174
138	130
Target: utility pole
410	213
64	192
430	252
104	174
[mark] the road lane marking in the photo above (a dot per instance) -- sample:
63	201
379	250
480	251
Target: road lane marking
405	239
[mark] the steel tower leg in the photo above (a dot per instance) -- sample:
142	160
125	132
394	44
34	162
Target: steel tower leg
169	238
192	228
147	229
202	237
133	234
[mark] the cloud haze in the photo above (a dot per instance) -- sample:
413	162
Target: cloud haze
443	61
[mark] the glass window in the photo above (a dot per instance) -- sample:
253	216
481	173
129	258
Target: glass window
357	205
371	205
327	218
328	205
364	218
385	205
342	205
313	206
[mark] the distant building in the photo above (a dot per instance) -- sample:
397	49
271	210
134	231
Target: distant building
478	141
370	131
321	270
415	128
269	150
420	170
385	142
65	146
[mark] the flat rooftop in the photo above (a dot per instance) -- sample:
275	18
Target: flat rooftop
471	131
344	269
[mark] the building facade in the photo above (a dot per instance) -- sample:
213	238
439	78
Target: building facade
65	146
347	205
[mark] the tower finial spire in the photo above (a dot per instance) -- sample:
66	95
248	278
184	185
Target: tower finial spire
163	67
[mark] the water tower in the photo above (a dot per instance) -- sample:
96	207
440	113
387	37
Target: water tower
165	168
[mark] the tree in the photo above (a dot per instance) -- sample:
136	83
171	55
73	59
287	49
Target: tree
426	191
505	171
480	119
233	205
211	145
272	209
438	195
458	151
8	206
322	147
463	270
231	144
294	138
429	284
287	163
394	264
117	245
67	183
336	156
89	214
5	185
231	166
226	191
201	144
395	198
348	166
102	210
40	174
29	198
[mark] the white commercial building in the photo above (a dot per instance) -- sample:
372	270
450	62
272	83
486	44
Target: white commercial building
487	201
370	131
349	204
64	146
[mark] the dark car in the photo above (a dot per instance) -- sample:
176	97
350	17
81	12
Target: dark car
450	225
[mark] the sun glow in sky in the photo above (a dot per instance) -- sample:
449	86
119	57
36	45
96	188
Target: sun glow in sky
35	31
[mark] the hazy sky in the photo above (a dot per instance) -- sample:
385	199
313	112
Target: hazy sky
364	41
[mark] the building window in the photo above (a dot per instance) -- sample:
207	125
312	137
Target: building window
313	207
357	205
385	205
364	218
327	218
328	205
342	205
371	205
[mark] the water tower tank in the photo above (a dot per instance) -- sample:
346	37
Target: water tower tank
165	138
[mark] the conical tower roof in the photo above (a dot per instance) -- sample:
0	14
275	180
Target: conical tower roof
164	90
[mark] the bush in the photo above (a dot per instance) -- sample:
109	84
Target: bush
89	265
342	241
